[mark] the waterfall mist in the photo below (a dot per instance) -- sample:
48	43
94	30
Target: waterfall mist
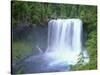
65	48
65	42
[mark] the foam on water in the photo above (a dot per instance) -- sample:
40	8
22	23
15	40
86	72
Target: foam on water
65	42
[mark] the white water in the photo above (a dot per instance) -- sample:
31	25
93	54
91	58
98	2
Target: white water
65	42
64	48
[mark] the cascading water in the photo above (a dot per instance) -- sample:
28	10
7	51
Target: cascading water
64	48
65	42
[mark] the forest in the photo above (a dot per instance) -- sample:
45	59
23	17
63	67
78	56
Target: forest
29	15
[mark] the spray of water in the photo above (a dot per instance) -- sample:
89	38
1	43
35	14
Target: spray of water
65	42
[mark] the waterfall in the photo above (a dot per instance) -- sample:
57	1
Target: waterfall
65	48
65	42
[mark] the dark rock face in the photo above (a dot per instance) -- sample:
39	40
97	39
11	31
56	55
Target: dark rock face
37	34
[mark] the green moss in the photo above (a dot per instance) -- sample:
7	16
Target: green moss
20	49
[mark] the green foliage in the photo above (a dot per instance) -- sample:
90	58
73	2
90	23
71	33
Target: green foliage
20	49
89	16
35	12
